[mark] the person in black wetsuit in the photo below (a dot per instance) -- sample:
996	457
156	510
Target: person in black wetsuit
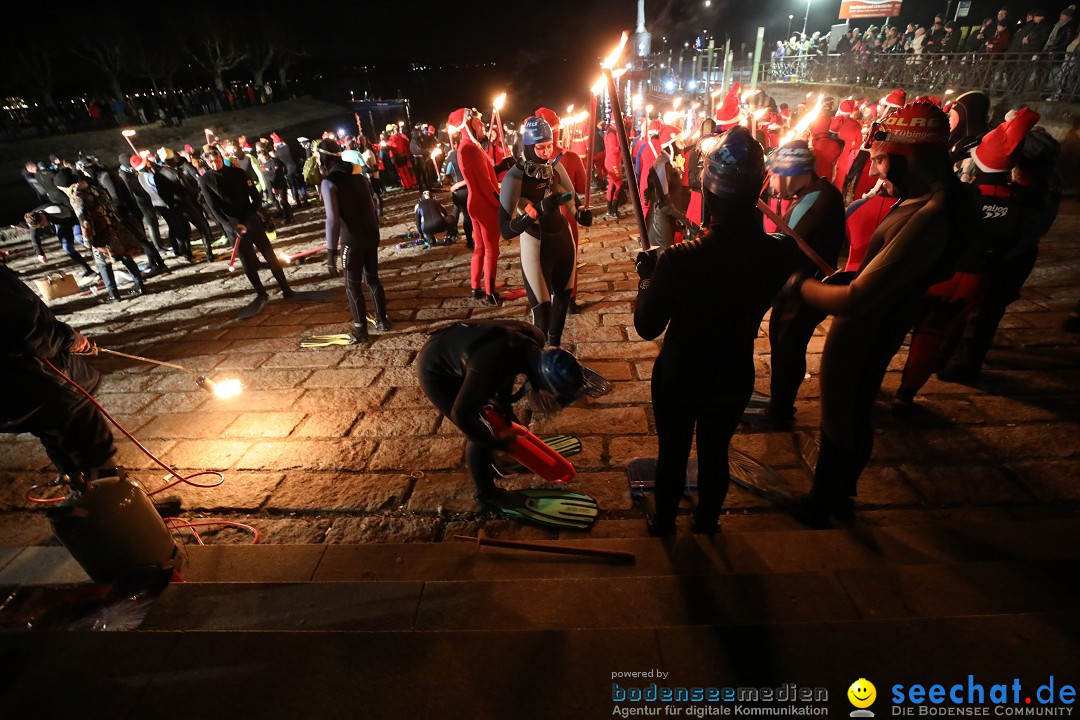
915	246
459	191
431	217
352	223
234	201
130	178
470	365
816	213
530	196
710	295
75	435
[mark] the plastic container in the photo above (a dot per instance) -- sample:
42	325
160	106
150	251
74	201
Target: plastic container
531	451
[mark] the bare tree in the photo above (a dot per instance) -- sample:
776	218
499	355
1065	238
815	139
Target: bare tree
107	55
216	52
34	68
154	60
260	53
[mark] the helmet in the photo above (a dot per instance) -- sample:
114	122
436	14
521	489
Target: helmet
535	131
792	160
426	195
734	166
561	374
916	126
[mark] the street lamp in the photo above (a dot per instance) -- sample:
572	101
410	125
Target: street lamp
806	17
789	19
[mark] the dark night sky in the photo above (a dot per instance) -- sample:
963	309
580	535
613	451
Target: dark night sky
544	56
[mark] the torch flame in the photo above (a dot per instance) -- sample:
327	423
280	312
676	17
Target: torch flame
598	87
716	92
804	122
618	73
675	103
127	133
229	388
611	59
748	94
499	102
436	153
570	109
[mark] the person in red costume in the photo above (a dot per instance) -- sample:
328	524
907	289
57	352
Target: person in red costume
399	145
645	157
483	202
827	149
730	113
575	168
849	131
614	169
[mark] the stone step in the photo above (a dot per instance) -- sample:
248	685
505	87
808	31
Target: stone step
903	591
523	674
758	552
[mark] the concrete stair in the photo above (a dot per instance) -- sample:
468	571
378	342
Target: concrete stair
450	630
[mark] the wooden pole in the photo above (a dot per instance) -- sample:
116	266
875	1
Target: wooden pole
628	162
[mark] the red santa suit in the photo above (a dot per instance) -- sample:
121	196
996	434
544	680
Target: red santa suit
399	146
482	205
613	165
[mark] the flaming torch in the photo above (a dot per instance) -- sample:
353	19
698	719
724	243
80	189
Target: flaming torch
223	389
596	90
128	134
624	142
804	122
496	118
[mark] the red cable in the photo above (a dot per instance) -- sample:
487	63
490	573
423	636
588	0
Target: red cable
172	524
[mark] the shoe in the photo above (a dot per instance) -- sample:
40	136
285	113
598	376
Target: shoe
903	402
573	308
210	259
477	294
359	335
112	298
288	292
493	299
138	292
383	325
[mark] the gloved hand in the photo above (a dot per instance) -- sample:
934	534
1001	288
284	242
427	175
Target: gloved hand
646	263
505	164
333	271
584	217
551	203
331	265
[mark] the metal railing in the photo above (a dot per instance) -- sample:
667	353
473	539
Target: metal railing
1018	76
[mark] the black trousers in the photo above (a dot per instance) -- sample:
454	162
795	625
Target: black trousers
791	325
715	421
461	197
363	264
179	231
255	239
74	433
978	332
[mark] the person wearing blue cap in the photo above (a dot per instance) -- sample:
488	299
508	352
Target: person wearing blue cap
816	212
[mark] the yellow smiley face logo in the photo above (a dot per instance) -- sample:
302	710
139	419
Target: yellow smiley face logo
862	693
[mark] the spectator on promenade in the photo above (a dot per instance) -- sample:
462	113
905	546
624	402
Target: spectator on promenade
951	42
1038	33
977	40
1000	42
1061	35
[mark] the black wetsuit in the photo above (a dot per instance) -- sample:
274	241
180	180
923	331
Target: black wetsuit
233	199
351	219
36	400
461	198
431	218
469	365
143	201
818	216
710	294
547	247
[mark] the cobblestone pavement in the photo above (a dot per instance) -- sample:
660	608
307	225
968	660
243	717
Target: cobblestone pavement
338	445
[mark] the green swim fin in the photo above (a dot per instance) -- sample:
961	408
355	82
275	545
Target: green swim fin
548	508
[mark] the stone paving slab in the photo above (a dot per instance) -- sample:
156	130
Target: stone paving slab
1007	444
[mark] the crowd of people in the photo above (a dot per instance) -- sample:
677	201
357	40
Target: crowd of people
904	216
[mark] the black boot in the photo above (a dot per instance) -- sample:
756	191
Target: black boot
378	302
541	316
560	303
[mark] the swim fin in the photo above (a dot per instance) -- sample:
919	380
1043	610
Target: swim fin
548	508
317	341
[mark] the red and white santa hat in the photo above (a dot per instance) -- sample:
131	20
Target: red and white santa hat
994	153
549	116
847	107
730	112
896	99
668	135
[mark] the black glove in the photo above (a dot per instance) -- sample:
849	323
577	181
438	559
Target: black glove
333	271
520	224
584	217
646	263
331	263
505	164
551	203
